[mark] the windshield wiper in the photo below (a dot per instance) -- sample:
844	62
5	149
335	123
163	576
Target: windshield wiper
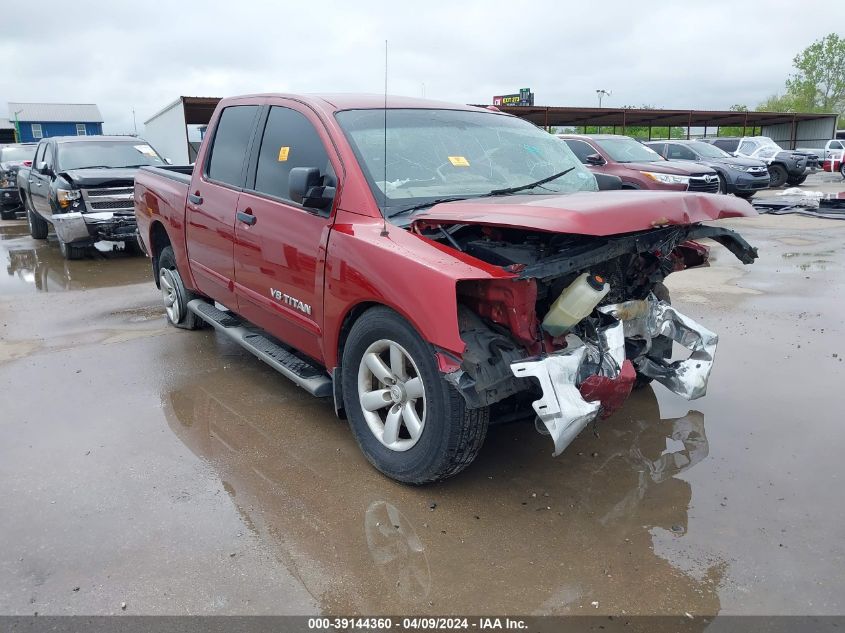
495	192
530	185
91	167
431	203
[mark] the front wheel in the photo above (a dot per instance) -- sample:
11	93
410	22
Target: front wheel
71	251
38	227
777	176
410	423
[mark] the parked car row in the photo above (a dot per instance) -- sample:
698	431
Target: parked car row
692	165
83	186
789	167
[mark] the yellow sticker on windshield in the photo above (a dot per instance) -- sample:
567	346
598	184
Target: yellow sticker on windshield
283	153
459	161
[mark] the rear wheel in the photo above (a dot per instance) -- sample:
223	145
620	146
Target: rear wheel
777	176
410	423
796	181
174	293
38	228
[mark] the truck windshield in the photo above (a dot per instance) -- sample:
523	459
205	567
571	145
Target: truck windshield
106	154
17	153
626	150
436	154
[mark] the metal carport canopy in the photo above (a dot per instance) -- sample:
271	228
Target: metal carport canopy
198	110
621	117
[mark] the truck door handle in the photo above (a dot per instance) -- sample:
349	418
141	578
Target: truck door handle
246	217
194	198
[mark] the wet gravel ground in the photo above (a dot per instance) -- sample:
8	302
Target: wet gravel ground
173	472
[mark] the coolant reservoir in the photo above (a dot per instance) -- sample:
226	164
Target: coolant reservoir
576	302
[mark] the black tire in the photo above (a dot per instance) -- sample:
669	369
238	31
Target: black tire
72	251
723	184
842	168
745	195
664	346
38	227
796	181
8	214
777	176
451	435
180	317
132	246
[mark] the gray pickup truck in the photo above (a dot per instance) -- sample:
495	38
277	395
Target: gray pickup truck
786	167
84	187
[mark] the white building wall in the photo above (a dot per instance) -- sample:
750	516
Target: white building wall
167	133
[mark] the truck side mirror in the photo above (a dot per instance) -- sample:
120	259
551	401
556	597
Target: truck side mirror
595	159
305	187
45	169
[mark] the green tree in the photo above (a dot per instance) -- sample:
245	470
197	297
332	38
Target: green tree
818	83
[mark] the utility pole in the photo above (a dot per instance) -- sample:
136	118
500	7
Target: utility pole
602	93
134	123
17	127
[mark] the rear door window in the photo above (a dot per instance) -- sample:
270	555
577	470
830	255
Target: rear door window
580	149
290	140
679	152
231	140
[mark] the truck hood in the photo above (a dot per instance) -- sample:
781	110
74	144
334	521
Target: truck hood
741	161
101	176
589	213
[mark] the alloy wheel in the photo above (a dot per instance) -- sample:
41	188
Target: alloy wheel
392	395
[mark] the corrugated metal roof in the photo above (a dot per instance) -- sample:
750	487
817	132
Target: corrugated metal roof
65	112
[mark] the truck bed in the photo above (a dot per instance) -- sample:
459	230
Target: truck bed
179	173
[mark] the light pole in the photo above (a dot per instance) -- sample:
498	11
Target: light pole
17	127
602	93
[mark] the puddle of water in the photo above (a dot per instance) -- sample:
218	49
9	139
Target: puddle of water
38	266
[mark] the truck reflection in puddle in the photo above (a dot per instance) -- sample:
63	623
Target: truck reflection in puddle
41	268
301	485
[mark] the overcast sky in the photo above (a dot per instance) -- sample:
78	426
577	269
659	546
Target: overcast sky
143	54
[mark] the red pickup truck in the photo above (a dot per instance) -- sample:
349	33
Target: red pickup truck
431	267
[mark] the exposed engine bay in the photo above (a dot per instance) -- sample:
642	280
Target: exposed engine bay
581	320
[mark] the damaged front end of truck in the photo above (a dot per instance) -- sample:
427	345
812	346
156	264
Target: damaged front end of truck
524	339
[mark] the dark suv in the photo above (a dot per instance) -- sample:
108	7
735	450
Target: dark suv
741	176
638	166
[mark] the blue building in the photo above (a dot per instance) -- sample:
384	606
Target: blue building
35	121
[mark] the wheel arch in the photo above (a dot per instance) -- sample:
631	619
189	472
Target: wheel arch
159	239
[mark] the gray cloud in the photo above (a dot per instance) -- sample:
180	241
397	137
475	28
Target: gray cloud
665	53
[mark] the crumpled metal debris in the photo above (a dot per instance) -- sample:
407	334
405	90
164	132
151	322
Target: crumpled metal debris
562	408
649	318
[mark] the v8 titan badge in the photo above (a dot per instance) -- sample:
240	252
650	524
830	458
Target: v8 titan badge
283	153
459	161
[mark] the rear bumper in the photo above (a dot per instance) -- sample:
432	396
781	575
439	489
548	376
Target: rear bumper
79	227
